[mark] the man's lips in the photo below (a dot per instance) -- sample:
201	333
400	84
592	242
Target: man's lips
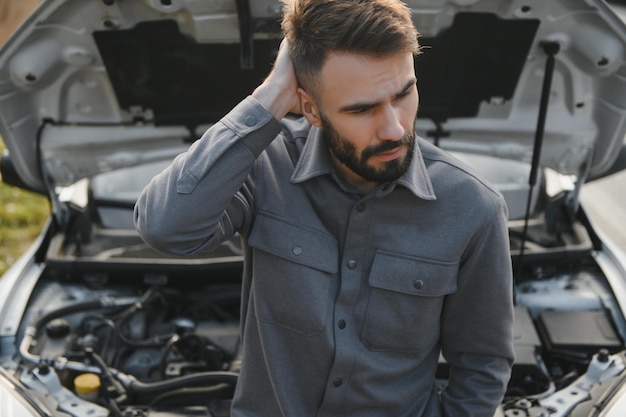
391	154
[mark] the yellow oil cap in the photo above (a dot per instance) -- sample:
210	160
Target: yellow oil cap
87	384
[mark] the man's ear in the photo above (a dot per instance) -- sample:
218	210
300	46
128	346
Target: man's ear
310	109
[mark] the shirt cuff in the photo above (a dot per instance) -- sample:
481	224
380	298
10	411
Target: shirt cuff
251	122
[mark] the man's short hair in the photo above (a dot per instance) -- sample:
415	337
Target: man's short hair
314	28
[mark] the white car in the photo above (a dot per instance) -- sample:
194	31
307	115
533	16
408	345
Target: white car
97	96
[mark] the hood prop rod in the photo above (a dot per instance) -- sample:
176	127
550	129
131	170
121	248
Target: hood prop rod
59	211
550	48
246	33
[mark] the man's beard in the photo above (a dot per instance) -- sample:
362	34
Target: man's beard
345	152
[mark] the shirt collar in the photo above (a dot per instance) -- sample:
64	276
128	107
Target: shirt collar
315	161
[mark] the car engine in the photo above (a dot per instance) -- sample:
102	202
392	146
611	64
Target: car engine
108	352
100	348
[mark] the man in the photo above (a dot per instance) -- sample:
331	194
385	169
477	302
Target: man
368	250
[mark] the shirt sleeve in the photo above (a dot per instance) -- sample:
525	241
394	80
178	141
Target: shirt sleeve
205	195
477	323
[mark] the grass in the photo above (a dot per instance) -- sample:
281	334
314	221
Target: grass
22	216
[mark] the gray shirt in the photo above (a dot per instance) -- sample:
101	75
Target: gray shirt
348	299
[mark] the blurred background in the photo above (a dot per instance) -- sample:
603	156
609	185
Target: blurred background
22	214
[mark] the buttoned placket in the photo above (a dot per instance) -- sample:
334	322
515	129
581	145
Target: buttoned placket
345	333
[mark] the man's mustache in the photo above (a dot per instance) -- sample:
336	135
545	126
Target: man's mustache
385	146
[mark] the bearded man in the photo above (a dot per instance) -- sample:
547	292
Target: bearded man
369	252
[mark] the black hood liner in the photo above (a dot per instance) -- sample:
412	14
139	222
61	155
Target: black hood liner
478	58
155	66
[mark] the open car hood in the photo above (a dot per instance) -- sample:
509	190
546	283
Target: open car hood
92	86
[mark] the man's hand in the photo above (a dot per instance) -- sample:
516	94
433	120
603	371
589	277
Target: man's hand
278	93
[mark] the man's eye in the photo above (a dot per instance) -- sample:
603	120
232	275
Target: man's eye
404	93
360	111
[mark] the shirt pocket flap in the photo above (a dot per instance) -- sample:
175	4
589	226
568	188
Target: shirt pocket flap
295	243
413	275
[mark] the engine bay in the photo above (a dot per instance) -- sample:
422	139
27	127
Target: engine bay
113	344
154	349
113	328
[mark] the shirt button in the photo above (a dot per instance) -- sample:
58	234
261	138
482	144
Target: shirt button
360	207
352	264
418	284
250	121
341	324
385	187
296	250
337	382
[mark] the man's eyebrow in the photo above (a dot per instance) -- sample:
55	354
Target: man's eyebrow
366	106
407	87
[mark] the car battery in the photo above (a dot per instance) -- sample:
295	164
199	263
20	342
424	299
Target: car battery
582	332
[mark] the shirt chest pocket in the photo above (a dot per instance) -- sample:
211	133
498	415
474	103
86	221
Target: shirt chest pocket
293	268
405	301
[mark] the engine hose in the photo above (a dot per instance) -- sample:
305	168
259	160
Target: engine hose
104	302
185	397
111	387
61	363
134	386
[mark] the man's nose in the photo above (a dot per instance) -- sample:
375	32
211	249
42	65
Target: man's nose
390	127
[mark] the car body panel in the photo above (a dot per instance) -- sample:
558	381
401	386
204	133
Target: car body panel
75	70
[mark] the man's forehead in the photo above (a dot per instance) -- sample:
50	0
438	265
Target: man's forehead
353	77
